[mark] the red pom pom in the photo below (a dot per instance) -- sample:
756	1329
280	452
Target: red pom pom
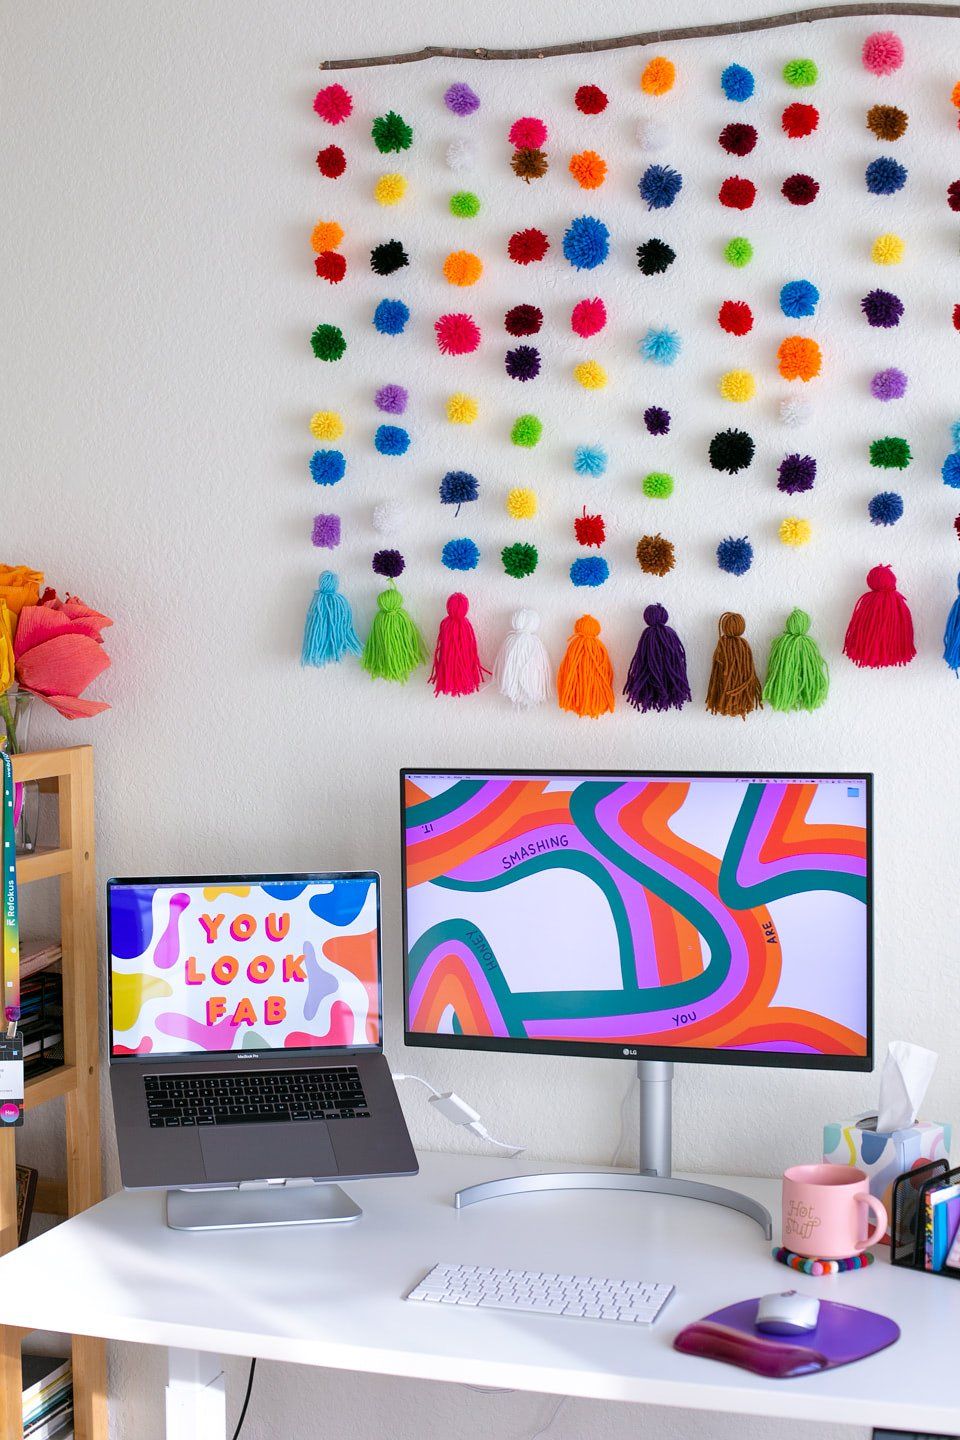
457	334
956	317
331	266
953	195
880	632
736	317
588	317
523	320
800	189
738	139
956	526
331	162
737	193
590	100
333	104
589	529
528	133
527	245
800	120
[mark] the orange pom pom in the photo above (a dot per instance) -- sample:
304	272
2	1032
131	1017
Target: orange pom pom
462	268
658	76
588	169
585	677
955	95
799	358
327	235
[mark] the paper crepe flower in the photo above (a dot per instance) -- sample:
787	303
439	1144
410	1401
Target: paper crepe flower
59	651
19	586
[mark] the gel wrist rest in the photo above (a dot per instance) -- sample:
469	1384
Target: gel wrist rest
843	1334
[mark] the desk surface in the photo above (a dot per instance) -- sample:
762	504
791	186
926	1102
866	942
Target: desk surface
330	1296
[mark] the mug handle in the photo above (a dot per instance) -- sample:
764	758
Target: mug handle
880	1216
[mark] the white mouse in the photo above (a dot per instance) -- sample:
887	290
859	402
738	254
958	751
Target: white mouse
787	1313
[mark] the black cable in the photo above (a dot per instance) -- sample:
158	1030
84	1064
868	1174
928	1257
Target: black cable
246	1400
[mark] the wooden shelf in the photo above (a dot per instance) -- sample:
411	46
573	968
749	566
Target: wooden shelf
51	1085
46	862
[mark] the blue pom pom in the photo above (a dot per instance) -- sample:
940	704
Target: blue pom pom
799	298
590	460
457	487
460	554
586	243
659	186
885	176
955	434
951	635
737	82
735	555
390	317
660	346
951	471
391	440
590	570
885	508
327	466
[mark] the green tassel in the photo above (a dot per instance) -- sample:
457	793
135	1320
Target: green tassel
797	676
394	646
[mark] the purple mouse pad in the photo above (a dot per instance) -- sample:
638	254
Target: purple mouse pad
843	1334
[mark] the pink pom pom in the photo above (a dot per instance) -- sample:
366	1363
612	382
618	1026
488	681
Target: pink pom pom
457	334
333	104
882	52
588	317
528	133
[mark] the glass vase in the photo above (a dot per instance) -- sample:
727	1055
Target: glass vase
16	708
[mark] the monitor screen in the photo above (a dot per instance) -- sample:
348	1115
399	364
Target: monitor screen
244	963
708	917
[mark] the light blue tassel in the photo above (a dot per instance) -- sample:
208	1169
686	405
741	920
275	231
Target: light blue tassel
328	634
951	636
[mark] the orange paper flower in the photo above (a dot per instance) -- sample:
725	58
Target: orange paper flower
799	358
59	652
19	586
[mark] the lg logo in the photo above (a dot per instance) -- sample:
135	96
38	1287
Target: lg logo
628	1051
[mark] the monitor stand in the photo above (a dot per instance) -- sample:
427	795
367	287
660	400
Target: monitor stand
654	1174
255	1204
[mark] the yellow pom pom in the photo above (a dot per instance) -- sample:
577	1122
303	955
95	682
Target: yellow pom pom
658	76
462	268
522	504
462	409
888	250
390	189
590	374
326	425
738	385
794	531
327	235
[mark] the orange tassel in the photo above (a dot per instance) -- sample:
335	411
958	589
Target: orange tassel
585	677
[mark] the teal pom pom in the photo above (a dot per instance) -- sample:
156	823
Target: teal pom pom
328	634
590	460
660	346
955	434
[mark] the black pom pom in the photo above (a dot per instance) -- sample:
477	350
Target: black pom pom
388	257
655	256
731	450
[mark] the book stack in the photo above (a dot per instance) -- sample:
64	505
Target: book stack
47	1398
37	954
41	1022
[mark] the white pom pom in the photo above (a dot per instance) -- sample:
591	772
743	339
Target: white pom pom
389	517
651	134
522	666
794	411
461	155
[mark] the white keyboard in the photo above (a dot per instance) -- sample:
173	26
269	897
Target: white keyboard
584	1297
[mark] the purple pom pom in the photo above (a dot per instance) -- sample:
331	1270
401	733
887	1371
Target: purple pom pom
796	474
392	399
657	420
461	99
523	363
882	308
889	384
326	531
389	562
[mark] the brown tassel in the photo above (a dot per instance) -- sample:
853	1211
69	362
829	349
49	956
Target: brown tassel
734	687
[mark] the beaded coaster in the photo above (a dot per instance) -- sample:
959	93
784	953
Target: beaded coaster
811	1266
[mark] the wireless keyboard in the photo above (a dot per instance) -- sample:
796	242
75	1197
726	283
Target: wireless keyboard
584	1297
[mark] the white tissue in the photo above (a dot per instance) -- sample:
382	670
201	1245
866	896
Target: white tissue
907	1071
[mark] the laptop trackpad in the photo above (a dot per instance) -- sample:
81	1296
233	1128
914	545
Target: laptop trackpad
266	1152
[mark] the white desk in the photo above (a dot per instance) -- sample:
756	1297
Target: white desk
330	1296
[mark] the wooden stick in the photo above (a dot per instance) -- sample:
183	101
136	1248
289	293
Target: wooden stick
648	37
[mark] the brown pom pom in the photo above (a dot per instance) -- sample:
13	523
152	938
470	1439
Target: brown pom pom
734	687
655	555
888	122
529	164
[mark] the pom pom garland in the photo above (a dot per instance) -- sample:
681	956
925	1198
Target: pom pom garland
882	52
389	517
737	82
590	100
590	460
589	529
457	334
657	677
659	186
326	531
880	632
391	440
591	570
951	634
331	162
333	104
519	560
736	193
887	122
660	346
461	554
735	317
796	474
526	432
795	411
327	467
800	73
890	453
735	555
462	409
464	204
529	165
658	485
525	247
391	399
395	647
588	317
389	563
586	243
887	250
457	668
734	687
657	420
588	169
738	386
522	667
889	384
886	508
659	76
797	675
390	317
461	155
585	676
390	189
731	451
738	252
462	268
327	342
885	176
523	363
882	309
326	235
950	473
461	99
528	133
737	139
799	298
328	634
794	531
523	320
798	121
522	504
655	555
655	256
391	133
330	266
388	257
799	358
458	487
800	189
326	425
590	374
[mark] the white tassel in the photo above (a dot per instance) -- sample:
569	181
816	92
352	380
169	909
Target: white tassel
522	667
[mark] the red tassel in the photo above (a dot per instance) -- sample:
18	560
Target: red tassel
880	632
456	663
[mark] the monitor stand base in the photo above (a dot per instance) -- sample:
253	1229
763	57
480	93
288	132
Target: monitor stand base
250	1207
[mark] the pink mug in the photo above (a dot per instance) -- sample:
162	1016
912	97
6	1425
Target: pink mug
823	1211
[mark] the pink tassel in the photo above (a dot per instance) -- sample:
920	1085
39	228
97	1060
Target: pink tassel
456	663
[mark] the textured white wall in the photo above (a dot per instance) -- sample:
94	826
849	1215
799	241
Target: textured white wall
156	169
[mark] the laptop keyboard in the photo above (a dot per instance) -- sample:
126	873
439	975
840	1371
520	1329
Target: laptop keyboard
252	1097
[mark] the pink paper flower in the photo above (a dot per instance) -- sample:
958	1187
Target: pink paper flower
59	652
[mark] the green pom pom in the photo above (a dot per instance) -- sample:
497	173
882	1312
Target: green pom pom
658	485
800	72
328	342
526	431
739	252
394	646
391	132
465	204
890	453
519	560
797	676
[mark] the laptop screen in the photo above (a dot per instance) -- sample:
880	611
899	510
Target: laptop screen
240	963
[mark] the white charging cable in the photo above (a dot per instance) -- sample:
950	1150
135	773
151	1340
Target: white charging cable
458	1112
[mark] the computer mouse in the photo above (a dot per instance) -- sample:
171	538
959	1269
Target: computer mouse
787	1313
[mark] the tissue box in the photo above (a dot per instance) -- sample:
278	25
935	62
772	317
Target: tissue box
882	1157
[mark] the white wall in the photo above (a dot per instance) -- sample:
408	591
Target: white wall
157	184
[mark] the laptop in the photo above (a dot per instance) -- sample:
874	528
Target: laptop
246	1031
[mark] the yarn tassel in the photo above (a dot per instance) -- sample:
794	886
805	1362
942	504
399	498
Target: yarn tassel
328	634
394	646
797	675
456	661
657	678
585	677
951	636
880	632
734	688
522	666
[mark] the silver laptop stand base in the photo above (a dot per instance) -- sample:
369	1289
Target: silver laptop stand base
256	1206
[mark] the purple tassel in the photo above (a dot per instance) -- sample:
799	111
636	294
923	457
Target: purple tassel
657	678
